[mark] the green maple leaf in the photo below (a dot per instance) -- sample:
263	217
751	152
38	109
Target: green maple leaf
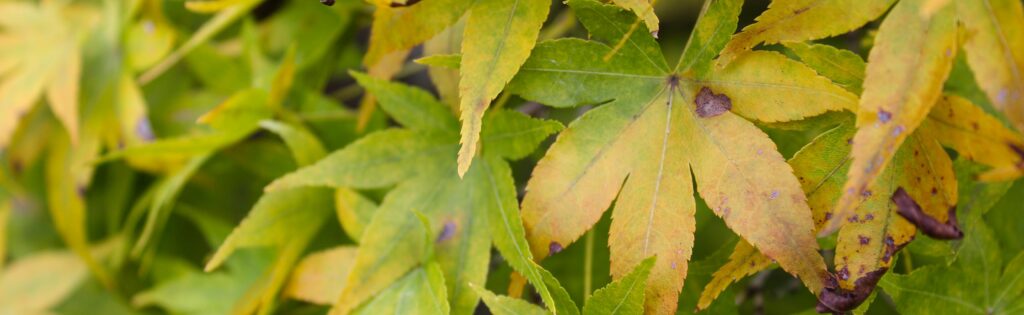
466	215
657	125
497	39
623	296
285	220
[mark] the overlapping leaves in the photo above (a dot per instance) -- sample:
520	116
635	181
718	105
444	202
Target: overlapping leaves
465	215
658	124
871	237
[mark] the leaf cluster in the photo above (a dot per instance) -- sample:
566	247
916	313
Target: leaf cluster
510	156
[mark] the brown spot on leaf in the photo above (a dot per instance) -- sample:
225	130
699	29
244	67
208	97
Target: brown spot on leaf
800	10
16	166
884	116
398	5
853	219
890	249
869	217
144	129
1020	153
833	299
897	131
864	240
327	2
446	232
910	210
80	190
554	248
710	104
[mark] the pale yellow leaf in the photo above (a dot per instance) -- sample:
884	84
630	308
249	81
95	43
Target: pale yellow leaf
910	61
995	51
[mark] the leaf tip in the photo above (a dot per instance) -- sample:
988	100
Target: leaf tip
470	137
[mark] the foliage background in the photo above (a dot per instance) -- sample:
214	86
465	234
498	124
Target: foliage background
120	103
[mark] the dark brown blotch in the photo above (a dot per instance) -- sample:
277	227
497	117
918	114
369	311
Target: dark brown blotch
554	248
853	219
1020	153
710	104
327	2
398	5
910	210
864	240
834	299
16	166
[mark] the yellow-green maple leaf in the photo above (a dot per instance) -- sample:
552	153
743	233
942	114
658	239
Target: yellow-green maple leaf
466	215
643	9
995	51
911	59
651	130
821	168
320	277
801	20
40	54
498	38
976	136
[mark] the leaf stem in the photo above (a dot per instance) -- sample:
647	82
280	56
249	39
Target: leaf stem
564	22
588	264
502	100
907	263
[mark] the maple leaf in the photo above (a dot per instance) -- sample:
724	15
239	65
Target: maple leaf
658	124
995	51
802	20
489	61
980	280
498	37
320	276
205	293
274	221
911	59
228	11
40	46
466	215
623	296
920	166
